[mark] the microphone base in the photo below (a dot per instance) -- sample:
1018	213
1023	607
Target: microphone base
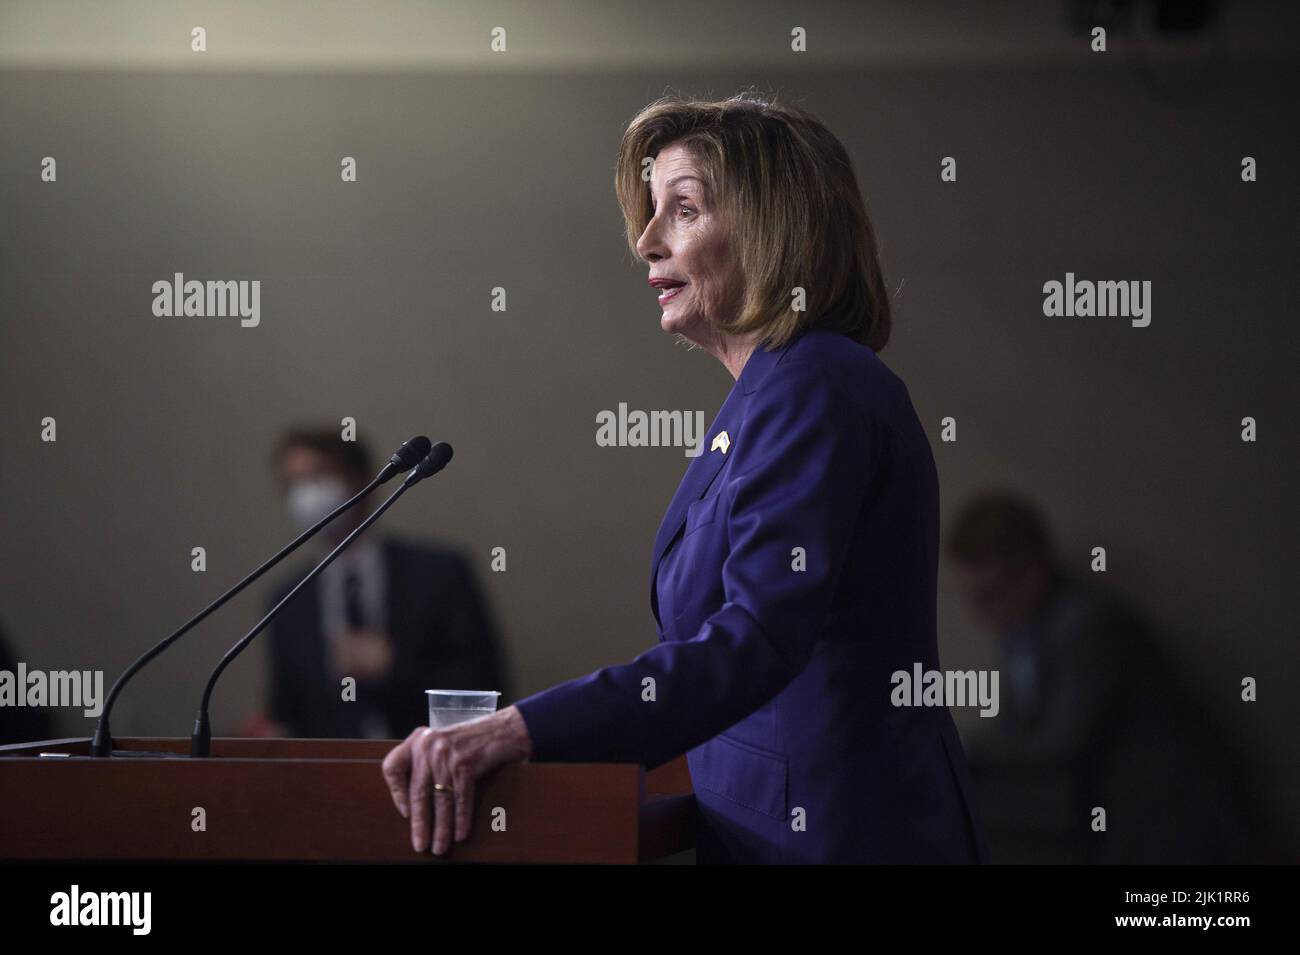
101	744
201	741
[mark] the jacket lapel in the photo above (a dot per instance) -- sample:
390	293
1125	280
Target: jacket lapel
699	477
705	467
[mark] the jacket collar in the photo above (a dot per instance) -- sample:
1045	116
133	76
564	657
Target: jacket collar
757	367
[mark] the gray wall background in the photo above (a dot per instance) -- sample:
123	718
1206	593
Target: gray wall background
375	304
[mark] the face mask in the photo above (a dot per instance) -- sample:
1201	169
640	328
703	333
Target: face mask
309	501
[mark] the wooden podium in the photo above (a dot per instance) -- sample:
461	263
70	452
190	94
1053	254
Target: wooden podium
319	800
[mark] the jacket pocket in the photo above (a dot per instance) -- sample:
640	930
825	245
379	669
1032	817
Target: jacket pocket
700	513
743	774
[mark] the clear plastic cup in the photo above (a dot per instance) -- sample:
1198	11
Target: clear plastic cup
450	707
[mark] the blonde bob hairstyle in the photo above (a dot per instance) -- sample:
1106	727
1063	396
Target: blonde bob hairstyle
784	186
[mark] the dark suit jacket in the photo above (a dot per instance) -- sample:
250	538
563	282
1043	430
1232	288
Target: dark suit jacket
439	623
776	680
21	724
1109	724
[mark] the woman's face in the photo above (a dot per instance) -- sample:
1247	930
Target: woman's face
696	275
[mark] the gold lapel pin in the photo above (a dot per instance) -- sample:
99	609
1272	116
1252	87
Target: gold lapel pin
723	441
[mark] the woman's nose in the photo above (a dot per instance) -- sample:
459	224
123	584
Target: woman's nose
650	247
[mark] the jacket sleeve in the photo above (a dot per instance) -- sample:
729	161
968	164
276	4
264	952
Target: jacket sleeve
802	468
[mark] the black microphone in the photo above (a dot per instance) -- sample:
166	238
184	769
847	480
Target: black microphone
410	454
201	740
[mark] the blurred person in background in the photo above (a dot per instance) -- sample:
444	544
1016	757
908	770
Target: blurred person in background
20	724
1091	714
397	616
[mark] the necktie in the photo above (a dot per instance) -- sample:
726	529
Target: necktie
354	612
352	715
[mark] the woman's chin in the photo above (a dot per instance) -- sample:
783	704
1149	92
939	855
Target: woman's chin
671	322
689	331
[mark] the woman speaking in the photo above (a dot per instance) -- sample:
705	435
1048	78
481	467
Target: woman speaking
795	570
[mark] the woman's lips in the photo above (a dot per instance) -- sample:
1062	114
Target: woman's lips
669	293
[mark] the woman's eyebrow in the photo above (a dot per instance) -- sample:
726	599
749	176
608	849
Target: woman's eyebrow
684	176
673	182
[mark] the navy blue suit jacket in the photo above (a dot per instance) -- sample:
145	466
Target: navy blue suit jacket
792	575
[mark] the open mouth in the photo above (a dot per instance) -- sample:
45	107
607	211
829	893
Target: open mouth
668	292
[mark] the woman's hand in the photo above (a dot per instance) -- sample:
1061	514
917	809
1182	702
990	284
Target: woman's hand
456	758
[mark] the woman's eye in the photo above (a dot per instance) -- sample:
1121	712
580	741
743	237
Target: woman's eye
685	209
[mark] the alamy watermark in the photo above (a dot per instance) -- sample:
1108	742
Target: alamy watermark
650	429
75	907
946	688
212	299
84	688
1084	298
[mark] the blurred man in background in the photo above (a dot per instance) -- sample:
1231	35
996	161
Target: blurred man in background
1091	715
397	617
